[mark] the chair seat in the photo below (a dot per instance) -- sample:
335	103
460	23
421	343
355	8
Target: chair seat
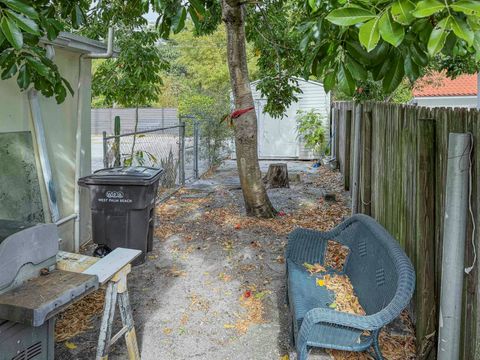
304	295
308	295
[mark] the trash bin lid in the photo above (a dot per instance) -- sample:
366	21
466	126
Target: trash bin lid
132	175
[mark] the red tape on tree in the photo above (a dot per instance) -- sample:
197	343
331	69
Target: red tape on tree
240	112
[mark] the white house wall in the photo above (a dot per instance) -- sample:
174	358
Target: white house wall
447	101
60	122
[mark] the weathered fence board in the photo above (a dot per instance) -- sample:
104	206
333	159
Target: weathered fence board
402	185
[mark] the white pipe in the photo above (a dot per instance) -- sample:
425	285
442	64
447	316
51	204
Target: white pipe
356	157
39	129
66	219
78	136
454	234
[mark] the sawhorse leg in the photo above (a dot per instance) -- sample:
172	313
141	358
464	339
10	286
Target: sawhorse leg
117	290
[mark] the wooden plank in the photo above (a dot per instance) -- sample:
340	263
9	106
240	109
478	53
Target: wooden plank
43	297
74	262
426	316
106	267
347	149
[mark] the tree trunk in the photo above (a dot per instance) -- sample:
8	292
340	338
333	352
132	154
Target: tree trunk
255	196
277	176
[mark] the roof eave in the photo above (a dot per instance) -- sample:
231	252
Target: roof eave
77	43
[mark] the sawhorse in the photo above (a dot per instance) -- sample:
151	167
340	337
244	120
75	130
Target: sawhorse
112	272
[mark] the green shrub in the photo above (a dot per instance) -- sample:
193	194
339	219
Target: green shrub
311	129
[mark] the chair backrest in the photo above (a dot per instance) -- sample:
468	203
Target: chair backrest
372	266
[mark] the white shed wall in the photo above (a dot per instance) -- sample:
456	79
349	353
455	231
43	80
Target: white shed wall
278	138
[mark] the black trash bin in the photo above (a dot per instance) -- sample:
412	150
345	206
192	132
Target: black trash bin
123	207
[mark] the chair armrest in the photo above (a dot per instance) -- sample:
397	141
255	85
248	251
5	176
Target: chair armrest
329	316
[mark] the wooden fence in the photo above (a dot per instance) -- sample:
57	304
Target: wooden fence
401	183
148	118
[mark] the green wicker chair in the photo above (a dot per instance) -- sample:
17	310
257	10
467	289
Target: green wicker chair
381	274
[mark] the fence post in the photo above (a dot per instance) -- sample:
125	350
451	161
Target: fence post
181	152
356	157
365	187
105	149
425	302
117	140
454	233
195	149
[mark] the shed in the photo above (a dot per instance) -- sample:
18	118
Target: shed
437	90
38	146
278	138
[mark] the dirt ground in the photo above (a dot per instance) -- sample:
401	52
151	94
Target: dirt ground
214	285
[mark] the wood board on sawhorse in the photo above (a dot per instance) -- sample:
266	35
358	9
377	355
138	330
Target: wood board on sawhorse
112	271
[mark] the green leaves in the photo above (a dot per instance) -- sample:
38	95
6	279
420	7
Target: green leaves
394	77
23	79
345	81
462	29
391	31
23	22
469	7
12	33
426	8
22	8
402	11
349	16
438	36
178	22
369	34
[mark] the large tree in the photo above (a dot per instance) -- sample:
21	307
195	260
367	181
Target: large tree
343	42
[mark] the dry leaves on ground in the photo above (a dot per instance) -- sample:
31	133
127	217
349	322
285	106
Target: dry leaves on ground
253	313
321	217
78	317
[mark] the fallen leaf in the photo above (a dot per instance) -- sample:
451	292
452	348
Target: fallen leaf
229	326
247	294
333	305
315	268
261	294
167	331
320	282
281	213
238	226
285	357
70	345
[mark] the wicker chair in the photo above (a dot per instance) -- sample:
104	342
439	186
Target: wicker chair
381	274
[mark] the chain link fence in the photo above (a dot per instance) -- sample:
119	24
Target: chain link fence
185	151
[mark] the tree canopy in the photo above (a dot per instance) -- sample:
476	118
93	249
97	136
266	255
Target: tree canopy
342	43
345	43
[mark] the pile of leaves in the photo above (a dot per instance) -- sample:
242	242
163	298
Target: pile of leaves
78	318
336	255
345	298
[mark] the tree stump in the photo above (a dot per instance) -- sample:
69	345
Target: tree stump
277	176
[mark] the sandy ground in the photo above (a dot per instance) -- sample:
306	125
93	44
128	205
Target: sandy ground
213	287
